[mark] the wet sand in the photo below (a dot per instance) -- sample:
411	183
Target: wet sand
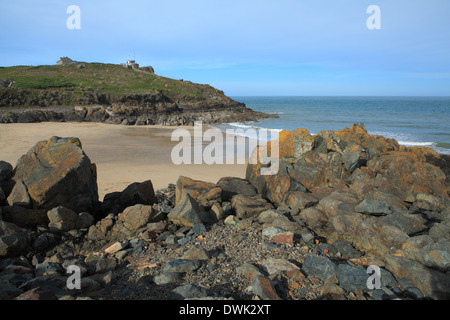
123	154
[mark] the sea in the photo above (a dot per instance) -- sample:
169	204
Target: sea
412	121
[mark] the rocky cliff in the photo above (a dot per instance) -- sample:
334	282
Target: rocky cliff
112	94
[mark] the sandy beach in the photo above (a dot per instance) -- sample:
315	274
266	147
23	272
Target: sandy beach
123	154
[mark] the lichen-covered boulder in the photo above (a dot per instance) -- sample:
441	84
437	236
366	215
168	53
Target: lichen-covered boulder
55	172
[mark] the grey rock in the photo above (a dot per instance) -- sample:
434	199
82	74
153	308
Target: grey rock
275	266
430	282
182	265
167	278
104	265
62	219
436	255
49	269
319	266
373	207
232	186
188	291
19	196
186	212
351	278
440	231
408	223
264	289
346	249
197	229
270	232
44	241
249	270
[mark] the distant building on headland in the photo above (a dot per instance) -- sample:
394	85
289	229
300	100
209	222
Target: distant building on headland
131	64
64	61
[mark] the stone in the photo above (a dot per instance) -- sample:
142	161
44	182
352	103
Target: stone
13	239
245	206
300	200
101	228
138	216
217	211
412	247
276	266
249	270
44	241
231	186
105	265
263	288
432	283
354	156
269	216
318	267
270	232
186	212
62	219
230	220
346	249
440	231
137	193
197	230
352	278
167	278
204	193
57	172
85	220
409	223
117	246
373	207
182	265
436	256
196	253
19	196
49	269
187	291
284	238
160	226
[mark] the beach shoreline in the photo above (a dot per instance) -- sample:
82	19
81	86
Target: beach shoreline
123	154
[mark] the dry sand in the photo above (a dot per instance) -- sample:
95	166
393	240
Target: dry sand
123	154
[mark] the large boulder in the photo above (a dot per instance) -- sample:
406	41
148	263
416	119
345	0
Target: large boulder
55	172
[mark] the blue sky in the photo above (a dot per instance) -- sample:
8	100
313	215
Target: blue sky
246	47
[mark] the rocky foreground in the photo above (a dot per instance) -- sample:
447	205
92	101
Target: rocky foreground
341	202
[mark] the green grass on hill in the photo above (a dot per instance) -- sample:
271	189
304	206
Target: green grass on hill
114	80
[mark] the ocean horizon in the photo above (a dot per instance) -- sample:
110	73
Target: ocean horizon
412	121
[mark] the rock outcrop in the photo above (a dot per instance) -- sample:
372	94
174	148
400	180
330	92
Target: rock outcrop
348	216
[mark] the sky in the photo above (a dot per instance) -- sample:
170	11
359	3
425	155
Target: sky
246	47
